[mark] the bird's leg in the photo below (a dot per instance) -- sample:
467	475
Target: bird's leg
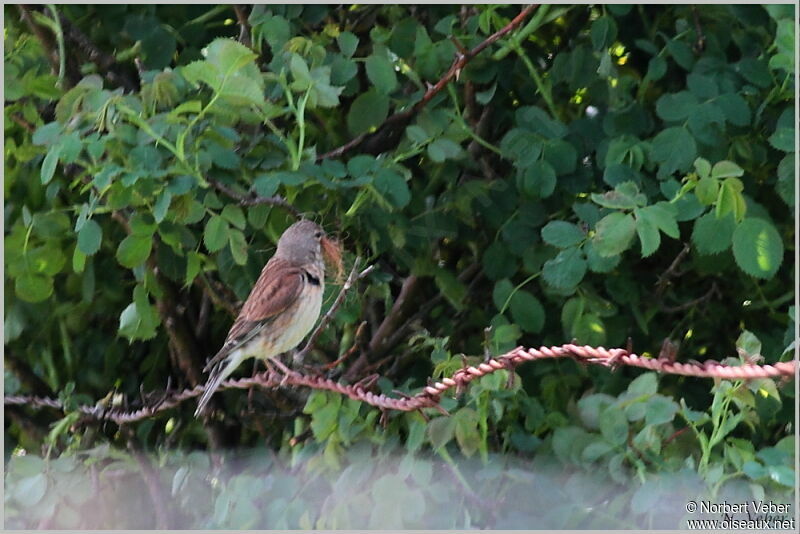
252	389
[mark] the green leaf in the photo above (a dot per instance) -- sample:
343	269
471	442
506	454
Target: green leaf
527	311
238	245
347	43
134	250
49	164
393	187
663	215
660	410
33	287
502	290
234	215
614	233
656	68
614	425
644	384
603	32
380	72
786	180
466	431
724	169
443	148
562	234
625	196
498	262
89	237
539	121
757	248
703	167
730	199
712	235
783	139
47	134
367	111
521	146
598	263
440	431
300	72
707	190
649	235
216	233
566	270
675	149
538	180
677	106
161	206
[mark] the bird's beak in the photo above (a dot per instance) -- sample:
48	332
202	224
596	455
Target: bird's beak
332	253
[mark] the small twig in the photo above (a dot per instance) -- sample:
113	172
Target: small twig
254	200
326	319
453	72
244	26
692	303
22	122
356	338
671	271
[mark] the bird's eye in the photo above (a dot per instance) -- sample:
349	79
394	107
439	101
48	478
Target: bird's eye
318	235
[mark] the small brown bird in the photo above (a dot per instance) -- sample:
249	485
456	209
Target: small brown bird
281	308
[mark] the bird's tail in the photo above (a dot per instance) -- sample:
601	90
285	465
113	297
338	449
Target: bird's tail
219	372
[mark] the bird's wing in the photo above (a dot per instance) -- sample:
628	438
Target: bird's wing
278	287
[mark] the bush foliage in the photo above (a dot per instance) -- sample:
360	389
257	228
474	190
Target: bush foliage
611	174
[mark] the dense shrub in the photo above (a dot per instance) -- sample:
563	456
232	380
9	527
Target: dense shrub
616	175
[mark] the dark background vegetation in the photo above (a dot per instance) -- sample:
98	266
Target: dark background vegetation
616	175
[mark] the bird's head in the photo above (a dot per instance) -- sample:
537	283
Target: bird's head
305	242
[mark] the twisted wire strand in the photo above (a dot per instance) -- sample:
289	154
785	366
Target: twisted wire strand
430	395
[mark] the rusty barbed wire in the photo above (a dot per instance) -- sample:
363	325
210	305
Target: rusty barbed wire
430	395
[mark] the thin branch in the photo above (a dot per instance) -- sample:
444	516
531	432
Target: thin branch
461	60
244	26
328	317
254	200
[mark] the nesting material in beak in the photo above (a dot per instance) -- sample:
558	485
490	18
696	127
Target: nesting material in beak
332	253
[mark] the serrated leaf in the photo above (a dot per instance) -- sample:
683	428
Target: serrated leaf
625	196
562	234
712	235
614	233
502	290
566	270
675	149
724	169
603	32
649	236
89	237
730	199
215	235
703	167
757	248
134	250
527	311
367	111
238	245
380	72
49	164
234	215
707	190
347	43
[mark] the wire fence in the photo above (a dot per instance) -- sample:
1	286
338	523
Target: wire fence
430	395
